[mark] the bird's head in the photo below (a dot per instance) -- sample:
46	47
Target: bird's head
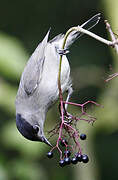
32	131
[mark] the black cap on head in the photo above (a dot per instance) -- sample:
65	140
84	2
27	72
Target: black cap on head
26	129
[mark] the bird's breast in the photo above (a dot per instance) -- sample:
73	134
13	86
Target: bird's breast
48	86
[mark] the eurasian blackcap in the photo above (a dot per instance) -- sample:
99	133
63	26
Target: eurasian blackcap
38	89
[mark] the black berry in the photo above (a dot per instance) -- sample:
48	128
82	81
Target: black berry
64	142
82	136
50	154
67	160
62	163
85	158
78	156
67	153
74	160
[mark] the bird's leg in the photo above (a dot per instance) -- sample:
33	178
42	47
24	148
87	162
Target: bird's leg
65	105
70	91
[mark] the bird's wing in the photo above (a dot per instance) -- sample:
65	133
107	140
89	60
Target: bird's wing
33	70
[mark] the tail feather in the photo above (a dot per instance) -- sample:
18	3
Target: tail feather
87	25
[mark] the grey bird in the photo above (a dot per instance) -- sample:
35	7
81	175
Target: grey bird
38	88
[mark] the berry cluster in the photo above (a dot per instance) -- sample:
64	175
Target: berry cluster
66	160
74	160
68	141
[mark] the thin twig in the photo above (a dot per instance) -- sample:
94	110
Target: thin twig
107	42
115	45
114	39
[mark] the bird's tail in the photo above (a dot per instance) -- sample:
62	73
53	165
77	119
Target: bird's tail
87	25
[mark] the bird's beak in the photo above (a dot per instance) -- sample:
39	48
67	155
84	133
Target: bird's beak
46	141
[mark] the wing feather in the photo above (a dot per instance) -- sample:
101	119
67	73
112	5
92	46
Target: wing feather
32	73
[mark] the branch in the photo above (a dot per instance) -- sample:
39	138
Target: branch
114	39
67	127
115	45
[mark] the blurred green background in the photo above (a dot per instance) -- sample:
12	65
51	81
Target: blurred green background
23	24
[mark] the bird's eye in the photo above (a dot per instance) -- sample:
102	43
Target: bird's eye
36	128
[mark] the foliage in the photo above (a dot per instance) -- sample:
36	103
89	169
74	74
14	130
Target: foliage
23	24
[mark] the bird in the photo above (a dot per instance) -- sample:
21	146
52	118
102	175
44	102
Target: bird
38	87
